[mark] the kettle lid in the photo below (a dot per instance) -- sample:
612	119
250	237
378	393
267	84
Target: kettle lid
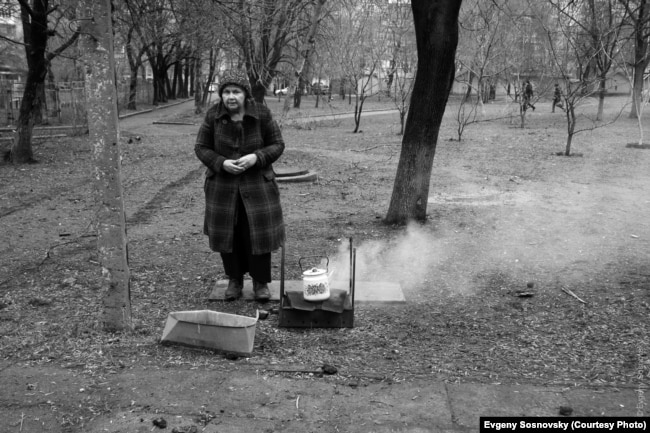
314	272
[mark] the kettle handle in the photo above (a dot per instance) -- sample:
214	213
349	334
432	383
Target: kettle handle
311	257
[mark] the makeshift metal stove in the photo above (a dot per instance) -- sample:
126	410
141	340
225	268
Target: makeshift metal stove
318	305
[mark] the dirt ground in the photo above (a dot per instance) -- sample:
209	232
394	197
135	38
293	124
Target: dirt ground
532	267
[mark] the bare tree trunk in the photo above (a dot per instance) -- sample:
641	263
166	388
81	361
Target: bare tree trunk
295	87
212	68
258	91
641	57
391	74
358	108
169	90
133	90
602	90
190	76
173	92
436	32
181	82
637	89
571	127
297	96
135	61
134	66
470	81
187	79
21	151
104	137
159	70
198	90
35	37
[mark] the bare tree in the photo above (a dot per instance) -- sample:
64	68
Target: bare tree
572	55
485	29
159	35
305	51
397	19
402	82
436	32
398	22
37	30
600	23
527	55
127	18
201	41
104	136
640	102
157	25
358	46
638	20
262	30
12	51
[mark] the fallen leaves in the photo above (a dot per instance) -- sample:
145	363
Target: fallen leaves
503	331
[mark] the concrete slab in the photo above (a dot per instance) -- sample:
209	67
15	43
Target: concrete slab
367	292
142	422
603	402
238	401
242	398
387	407
472	401
246	401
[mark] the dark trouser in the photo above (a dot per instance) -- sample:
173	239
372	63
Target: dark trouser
556	103
528	104
241	260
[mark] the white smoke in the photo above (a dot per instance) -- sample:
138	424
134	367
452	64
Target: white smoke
408	259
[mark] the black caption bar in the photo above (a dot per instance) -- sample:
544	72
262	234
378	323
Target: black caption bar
564	424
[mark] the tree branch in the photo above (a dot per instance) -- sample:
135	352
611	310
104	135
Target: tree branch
11	41
63	47
25	5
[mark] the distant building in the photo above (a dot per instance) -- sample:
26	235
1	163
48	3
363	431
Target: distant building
12	57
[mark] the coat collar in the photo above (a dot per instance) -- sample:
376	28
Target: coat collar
250	109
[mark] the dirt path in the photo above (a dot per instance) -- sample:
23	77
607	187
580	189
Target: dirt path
36	199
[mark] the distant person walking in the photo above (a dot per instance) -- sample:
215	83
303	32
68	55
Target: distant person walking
528	95
557	98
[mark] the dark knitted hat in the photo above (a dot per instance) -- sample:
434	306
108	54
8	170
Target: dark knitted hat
237	77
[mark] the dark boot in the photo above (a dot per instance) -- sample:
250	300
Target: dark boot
234	290
262	292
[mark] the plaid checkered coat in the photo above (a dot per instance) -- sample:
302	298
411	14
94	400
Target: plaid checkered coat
216	142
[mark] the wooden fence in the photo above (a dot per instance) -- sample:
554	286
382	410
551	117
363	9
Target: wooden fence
65	103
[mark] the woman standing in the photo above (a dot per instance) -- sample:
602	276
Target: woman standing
238	142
